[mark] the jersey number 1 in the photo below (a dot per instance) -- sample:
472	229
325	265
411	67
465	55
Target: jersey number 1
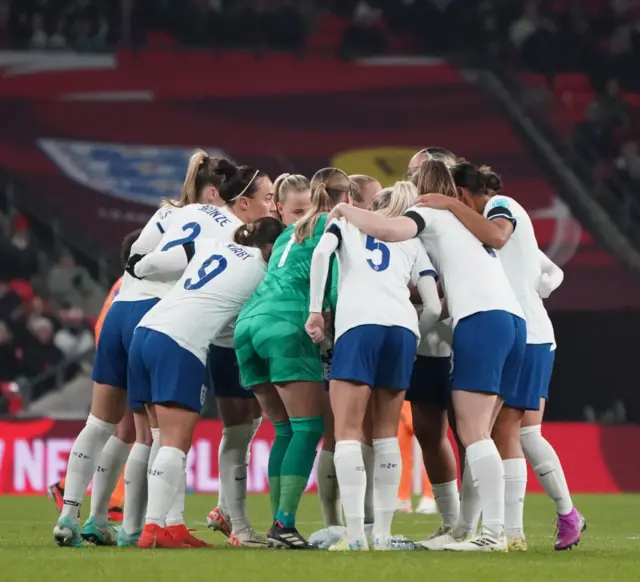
373	245
205	275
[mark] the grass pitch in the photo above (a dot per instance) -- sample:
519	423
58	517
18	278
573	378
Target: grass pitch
610	550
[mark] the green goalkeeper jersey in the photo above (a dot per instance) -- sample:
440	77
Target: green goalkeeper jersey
284	292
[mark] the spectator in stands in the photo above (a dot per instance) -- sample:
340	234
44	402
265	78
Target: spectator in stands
535	37
363	37
40	354
628	164
609	110
10	302
75	337
9	361
25	249
71	284
39	38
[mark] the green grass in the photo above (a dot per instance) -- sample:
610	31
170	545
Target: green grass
610	550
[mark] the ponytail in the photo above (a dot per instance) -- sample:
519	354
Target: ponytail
202	171
329	186
433	177
321	203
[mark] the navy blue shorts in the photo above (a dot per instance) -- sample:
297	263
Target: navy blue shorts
223	375
376	355
487	352
110	363
430	382
162	372
535	376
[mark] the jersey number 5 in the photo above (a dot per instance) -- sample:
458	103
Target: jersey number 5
193	228
205	275
373	245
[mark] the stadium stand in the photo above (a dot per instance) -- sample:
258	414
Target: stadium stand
89	172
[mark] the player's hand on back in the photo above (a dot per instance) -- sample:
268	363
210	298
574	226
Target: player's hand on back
335	213
315	327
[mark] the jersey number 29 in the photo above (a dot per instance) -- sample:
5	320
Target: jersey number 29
205	274
373	245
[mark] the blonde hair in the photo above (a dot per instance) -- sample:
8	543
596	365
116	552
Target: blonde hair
433	177
202	171
358	182
392	202
286	183
328	187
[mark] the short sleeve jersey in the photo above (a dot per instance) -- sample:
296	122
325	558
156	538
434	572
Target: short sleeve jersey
218	281
521	262
471	273
284	293
187	224
373	279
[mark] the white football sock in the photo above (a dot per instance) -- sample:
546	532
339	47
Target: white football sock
155	445
110	465
470	509
176	511
488	475
352	481
447	501
547	467
386	480
164	480
328	490
515	486
83	460
369	462
232	469
135	488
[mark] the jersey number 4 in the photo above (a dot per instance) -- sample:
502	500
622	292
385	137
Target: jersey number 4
206	273
385	255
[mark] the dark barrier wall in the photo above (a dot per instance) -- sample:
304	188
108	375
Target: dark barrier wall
597	363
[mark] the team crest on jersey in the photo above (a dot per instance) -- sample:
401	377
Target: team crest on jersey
140	173
500	202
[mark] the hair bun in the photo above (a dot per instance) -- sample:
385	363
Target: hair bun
225	168
493	182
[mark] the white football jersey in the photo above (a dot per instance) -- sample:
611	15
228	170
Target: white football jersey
186	225
148	240
373	280
219	279
521	262
470	272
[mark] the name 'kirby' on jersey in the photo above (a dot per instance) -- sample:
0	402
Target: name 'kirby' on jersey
520	259
373	278
470	272
186	225
217	282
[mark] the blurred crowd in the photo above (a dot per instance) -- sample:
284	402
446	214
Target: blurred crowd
47	307
347	27
588	53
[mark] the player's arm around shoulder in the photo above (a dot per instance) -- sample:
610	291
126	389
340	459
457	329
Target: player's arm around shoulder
375	225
